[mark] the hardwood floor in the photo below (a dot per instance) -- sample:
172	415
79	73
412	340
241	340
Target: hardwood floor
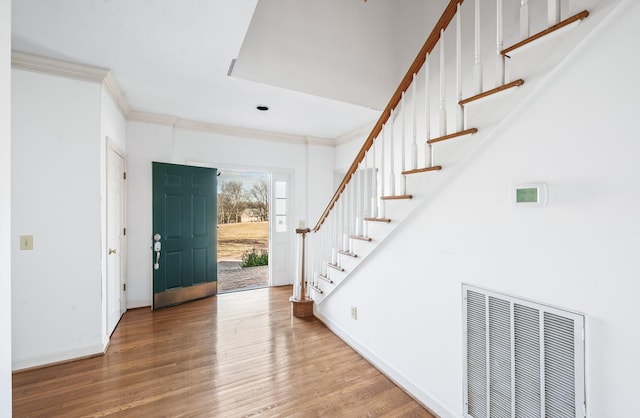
234	355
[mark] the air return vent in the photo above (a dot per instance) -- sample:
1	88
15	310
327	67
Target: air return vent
522	359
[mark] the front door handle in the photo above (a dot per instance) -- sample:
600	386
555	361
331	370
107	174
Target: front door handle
157	246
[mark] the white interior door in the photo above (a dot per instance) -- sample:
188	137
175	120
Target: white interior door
116	300
282	233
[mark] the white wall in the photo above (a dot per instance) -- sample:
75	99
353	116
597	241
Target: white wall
149	142
320	186
5	208
56	186
577	253
413	21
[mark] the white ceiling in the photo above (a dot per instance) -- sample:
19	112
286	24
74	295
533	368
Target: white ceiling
172	57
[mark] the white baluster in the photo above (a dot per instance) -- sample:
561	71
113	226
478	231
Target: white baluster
428	152
392	178
347	212
414	119
382	170
356	201
524	19
332	235
313	253
443	100
343	209
499	44
365	195
325	252
354	209
477	58
322	261
403	152
553	12
460	109
374	177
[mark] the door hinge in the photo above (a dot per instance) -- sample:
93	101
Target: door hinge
124	175
124	231
124	287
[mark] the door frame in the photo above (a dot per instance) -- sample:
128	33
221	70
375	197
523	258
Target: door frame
273	172
112	146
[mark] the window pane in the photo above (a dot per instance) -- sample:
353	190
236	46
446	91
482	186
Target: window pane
281	206
281	223
281	189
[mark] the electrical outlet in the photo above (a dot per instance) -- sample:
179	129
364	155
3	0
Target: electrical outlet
26	242
354	312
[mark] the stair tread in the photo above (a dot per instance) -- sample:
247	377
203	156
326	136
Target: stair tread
360	237
398	197
487	93
317	289
453	135
335	266
348	253
325	278
387	220
578	16
422	170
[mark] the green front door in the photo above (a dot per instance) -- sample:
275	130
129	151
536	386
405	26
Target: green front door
185	235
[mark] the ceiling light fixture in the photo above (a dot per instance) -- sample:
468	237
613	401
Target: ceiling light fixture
262	108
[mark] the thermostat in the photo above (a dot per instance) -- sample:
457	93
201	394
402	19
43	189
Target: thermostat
534	195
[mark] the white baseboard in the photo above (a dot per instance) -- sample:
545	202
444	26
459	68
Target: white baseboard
50	359
424	398
132	304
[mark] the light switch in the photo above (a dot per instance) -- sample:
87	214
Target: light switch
26	242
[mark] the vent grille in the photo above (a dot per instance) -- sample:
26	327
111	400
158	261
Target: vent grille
522	359
477	355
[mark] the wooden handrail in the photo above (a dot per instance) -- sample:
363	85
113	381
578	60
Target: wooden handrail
429	45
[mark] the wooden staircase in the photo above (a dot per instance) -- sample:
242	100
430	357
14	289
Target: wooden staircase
374	198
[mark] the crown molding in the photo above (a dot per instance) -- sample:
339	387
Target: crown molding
40	64
116	92
195	125
72	70
36	63
324	142
237	131
155	118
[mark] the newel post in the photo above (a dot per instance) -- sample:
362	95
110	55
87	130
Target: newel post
301	304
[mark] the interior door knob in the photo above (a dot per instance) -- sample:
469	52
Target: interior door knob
112	251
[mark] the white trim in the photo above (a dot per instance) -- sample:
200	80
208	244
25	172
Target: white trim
51	66
427	400
116	92
156	118
134	304
113	146
237	131
61	356
325	142
36	63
